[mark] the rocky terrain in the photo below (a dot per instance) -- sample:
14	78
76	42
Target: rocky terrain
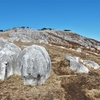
63	83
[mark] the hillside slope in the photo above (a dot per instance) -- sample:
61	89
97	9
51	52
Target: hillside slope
65	38
64	83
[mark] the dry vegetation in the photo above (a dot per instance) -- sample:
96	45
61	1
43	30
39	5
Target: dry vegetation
13	89
4	35
63	84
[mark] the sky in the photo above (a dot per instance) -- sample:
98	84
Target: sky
79	16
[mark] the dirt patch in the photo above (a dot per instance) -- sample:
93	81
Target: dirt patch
78	87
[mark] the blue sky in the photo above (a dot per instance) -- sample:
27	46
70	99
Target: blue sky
80	16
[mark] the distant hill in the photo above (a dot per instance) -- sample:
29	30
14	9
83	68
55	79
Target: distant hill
64	82
47	35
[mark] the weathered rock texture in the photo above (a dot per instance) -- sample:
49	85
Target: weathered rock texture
8	54
57	37
35	65
75	65
91	64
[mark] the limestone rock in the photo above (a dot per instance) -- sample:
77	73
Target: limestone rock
8	55
75	65
35	65
91	64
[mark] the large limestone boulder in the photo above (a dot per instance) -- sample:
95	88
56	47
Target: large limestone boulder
35	65
8	54
91	64
75	65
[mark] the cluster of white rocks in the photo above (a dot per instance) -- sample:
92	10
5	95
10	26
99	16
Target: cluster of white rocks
32	63
8	55
79	65
54	36
75	65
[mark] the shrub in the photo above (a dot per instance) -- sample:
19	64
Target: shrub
46	28
67	30
23	27
27	27
1	30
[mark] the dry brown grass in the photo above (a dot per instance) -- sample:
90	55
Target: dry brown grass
4	35
22	44
63	84
94	94
78	87
62	68
13	89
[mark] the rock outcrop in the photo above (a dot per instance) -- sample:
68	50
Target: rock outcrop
90	63
75	65
35	65
57	37
8	54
